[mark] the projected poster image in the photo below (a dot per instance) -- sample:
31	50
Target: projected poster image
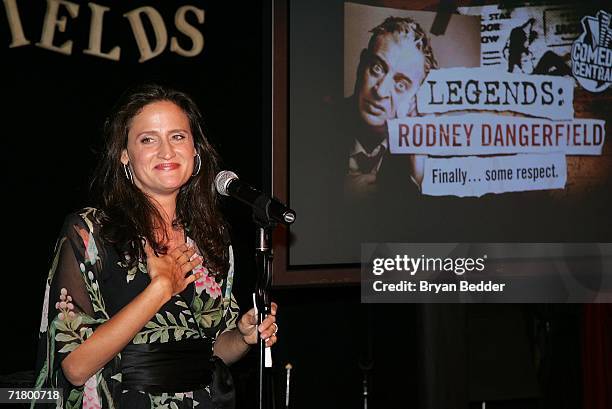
479	134
387	56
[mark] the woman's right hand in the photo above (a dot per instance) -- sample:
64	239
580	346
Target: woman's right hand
167	279
171	269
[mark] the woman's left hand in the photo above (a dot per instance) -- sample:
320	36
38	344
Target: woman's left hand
267	329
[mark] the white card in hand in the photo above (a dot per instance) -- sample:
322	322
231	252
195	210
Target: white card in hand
267	351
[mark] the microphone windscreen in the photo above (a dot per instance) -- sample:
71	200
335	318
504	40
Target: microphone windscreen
222	181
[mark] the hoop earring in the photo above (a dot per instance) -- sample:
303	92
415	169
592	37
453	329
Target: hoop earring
197	165
128	173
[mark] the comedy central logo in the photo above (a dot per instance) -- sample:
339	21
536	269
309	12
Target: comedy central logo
592	53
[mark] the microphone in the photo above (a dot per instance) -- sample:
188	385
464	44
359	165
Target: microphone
228	184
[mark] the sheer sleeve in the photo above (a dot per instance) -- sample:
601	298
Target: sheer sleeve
229	309
214	306
72	306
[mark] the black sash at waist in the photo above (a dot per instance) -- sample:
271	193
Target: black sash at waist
180	366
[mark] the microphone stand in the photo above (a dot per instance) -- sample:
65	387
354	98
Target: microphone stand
263	258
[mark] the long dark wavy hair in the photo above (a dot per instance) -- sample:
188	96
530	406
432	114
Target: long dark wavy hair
129	216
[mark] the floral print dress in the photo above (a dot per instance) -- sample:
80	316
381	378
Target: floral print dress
87	284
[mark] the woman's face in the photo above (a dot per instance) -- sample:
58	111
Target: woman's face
160	149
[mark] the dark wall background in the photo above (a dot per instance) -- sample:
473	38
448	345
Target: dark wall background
53	109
